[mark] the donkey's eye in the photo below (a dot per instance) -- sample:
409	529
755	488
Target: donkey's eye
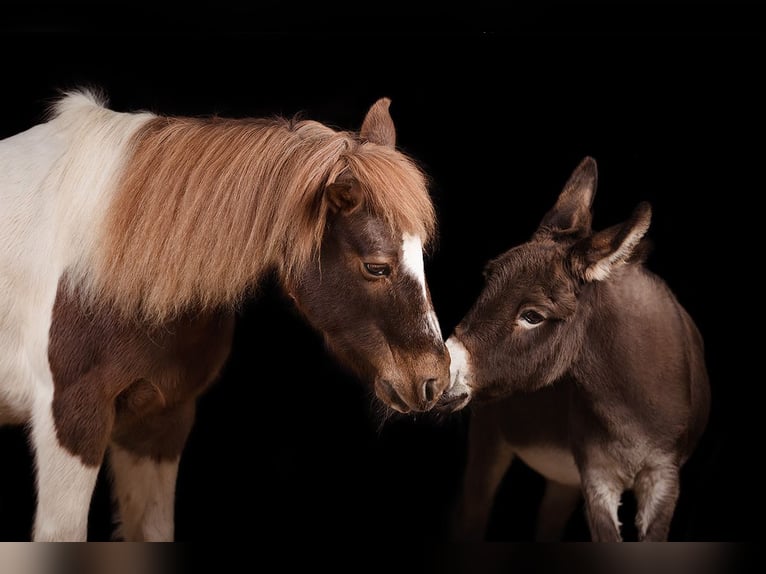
532	317
378	269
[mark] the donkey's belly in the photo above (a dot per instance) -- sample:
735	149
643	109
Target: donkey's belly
536	425
552	462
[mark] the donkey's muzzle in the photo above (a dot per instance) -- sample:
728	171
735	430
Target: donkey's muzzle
452	402
458	394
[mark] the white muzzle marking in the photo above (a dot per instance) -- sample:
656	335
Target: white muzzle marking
459	369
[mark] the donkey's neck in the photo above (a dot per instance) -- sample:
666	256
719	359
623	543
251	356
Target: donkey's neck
614	314
630	346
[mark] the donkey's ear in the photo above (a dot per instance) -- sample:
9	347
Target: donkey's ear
598	256
378	127
572	214
343	196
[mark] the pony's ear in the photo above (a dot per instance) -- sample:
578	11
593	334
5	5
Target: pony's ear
596	257
572	212
378	127
343	196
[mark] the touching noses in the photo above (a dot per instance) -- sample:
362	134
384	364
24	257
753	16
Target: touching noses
417	393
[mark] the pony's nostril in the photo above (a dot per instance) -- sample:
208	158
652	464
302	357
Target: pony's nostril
394	400
430	389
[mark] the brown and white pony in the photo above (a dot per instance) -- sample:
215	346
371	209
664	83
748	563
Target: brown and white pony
581	362
128	240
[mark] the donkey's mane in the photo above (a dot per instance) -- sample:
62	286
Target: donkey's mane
205	207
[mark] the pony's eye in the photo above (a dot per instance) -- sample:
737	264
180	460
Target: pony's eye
532	317
378	269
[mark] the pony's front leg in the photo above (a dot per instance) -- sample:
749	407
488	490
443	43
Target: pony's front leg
145	492
144	467
65	482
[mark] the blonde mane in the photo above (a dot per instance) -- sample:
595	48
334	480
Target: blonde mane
206	207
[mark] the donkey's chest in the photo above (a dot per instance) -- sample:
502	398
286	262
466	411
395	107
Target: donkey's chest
553	462
536	425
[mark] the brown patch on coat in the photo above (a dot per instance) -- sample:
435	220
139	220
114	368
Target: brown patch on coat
128	382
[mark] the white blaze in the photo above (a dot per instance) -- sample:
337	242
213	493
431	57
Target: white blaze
412	261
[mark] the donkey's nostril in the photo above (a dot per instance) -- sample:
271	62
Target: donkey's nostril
430	389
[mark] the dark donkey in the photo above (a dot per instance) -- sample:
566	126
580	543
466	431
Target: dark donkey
581	362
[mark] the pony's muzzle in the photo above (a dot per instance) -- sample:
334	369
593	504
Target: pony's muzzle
405	398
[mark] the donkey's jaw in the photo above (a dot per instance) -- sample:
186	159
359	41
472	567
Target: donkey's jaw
459	393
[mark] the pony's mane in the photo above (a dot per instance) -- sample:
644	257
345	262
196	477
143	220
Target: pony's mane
205	207
72	100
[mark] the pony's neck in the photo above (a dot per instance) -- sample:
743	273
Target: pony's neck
205	207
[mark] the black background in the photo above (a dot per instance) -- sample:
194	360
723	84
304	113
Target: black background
498	111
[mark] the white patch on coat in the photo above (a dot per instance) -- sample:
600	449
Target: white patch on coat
56	184
412	261
64	484
57	180
145	492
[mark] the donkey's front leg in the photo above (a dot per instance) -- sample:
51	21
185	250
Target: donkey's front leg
603	493
556	508
489	456
65	481
656	490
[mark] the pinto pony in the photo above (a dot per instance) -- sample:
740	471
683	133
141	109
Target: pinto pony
129	239
582	363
